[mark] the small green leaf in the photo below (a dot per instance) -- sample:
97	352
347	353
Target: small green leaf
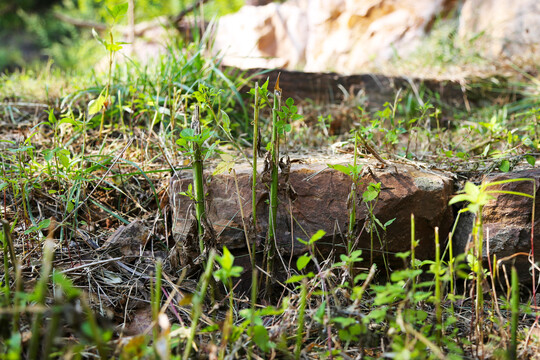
96	36
302	261
317	236
70	206
226	261
188	134
341	168
113	47
504	166
63	157
289	102
226	122
261	338
42	225
118	11
530	159
95	106
369	195
224	166
295	278
343	321
319	314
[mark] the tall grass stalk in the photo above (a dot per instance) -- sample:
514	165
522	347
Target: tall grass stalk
512	351
301	314
198	185
274	166
451	264
478	238
41	293
155	295
254	177
438	300
94	329
197	303
254	291
16	298
478	196
413	247
5	240
352	201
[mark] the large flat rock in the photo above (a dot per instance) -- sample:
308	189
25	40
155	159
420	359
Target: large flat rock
317	199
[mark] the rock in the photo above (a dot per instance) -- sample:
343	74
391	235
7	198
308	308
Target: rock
338	35
350	35
128	240
377	89
507	28
274	35
507	222
317	197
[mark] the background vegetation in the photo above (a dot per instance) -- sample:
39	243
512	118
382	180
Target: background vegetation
84	151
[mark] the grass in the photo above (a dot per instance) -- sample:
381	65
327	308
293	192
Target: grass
64	189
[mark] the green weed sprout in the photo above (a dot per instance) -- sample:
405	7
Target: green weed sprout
104	98
477	197
225	274
191	142
274	167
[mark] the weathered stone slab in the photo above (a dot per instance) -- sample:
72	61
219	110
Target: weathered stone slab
507	222
316	198
503	29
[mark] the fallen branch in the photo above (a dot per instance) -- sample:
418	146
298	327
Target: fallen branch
80	23
187	10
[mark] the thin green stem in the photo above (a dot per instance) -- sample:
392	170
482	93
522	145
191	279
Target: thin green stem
156	297
254	177
479	240
352	198
41	292
438	309
274	166
301	314
197	303
198	187
413	255
512	351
